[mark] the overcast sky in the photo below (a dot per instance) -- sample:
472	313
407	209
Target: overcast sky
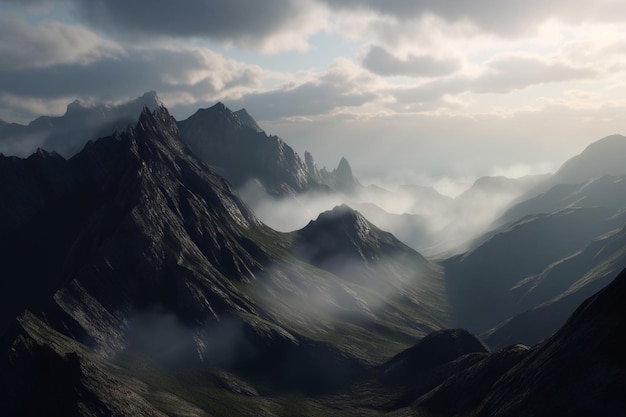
405	89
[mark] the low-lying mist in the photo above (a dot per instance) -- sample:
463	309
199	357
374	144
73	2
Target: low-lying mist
162	336
430	222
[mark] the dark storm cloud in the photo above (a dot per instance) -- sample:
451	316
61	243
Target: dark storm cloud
381	62
245	21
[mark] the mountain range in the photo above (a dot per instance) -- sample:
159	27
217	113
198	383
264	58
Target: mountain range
67	134
137	282
149	246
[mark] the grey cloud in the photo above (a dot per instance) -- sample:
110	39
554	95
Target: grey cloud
48	43
128	76
243	21
514	72
311	98
381	62
501	76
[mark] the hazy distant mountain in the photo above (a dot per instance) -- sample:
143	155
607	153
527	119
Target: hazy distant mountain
425	196
481	282
559	289
603	157
133	269
412	229
604	191
68	134
533	264
499	185
341	178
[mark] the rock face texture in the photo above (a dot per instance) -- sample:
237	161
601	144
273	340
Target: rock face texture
235	145
237	148
134	252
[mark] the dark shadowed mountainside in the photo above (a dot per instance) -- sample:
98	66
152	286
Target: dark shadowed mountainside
559	289
235	145
482	282
579	371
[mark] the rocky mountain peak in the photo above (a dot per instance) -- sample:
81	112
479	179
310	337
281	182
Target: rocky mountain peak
150	99
74	106
344	233
156	122
347	219
219	116
341	178
344	167
248	120
311	167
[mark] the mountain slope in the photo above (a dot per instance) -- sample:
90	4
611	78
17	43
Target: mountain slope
233	144
157	272
481	283
344	243
598	159
560	289
578	371
604	191
577	182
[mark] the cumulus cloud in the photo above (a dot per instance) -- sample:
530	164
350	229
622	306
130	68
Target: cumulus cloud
342	85
45	65
381	62
50	43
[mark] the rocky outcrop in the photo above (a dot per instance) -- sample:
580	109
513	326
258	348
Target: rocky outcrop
238	149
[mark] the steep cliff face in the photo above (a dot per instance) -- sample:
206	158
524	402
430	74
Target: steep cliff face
235	145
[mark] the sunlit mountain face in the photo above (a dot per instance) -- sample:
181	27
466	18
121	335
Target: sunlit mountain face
320	208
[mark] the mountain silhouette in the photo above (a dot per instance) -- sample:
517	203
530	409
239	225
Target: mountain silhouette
68	134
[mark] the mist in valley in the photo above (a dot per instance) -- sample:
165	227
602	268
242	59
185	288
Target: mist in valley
431	222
